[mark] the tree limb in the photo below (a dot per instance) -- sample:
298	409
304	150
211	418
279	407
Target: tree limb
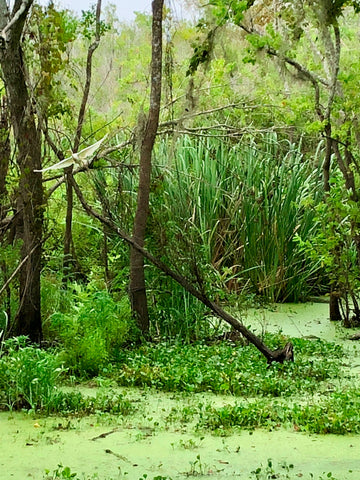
24	6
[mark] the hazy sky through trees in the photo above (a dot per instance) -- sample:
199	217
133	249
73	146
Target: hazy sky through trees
125	8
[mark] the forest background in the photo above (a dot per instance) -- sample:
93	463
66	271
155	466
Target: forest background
254	179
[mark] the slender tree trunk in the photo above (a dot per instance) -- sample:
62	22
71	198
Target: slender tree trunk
137	274
69	260
4	153
28	144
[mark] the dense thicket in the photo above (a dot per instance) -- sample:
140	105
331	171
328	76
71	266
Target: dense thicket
253	192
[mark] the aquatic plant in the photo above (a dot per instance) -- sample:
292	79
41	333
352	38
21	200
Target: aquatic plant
197	468
337	414
223	368
74	403
238	207
268	472
28	375
65	473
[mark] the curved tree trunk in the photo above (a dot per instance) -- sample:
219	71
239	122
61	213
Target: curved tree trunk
28	144
137	275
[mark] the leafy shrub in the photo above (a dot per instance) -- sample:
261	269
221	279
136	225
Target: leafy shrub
93	331
28	375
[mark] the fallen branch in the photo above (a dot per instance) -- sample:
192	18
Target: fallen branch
285	353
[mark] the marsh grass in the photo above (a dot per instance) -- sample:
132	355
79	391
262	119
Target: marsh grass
238	208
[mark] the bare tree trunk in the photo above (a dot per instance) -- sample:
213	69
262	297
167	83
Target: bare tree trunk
137	274
28	143
67	261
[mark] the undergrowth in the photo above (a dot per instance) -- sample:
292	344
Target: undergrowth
30	379
74	403
28	375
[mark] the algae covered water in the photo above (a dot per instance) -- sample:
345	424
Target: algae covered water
160	440
150	444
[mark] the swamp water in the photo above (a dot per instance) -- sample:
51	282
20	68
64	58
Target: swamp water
156	441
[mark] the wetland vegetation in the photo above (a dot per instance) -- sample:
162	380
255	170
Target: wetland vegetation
178	410
177	294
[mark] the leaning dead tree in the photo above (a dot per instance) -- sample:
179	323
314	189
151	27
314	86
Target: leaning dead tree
280	355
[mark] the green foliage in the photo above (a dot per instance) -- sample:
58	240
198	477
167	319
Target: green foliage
202	53
221	368
52	31
88	23
28	375
268	472
29	378
93	331
230	10
334	244
66	473
60	472
9	259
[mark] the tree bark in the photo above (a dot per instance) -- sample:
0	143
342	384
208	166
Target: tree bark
4	152
137	274
334	308
28	143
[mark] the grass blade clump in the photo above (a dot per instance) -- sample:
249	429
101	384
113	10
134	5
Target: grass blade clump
238	208
28	375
